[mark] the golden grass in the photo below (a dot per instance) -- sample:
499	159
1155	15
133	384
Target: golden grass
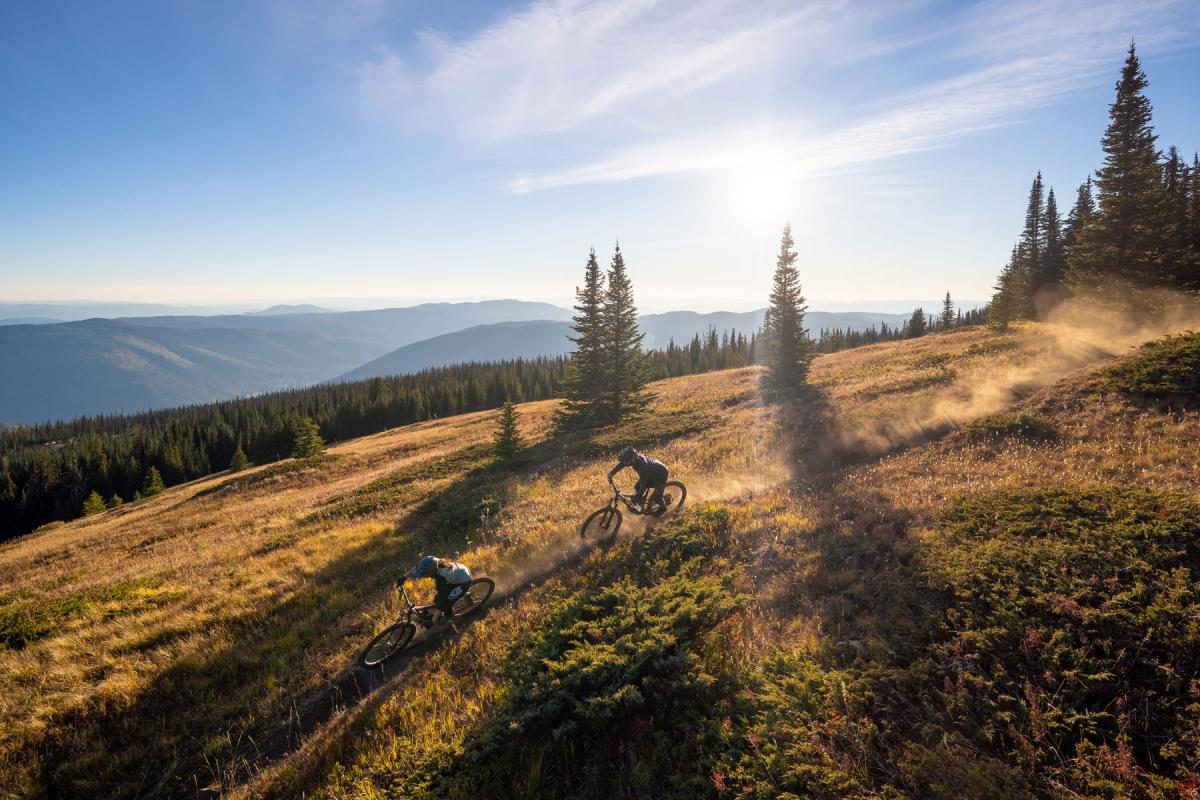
269	599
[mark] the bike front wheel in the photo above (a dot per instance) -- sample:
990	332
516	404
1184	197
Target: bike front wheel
389	642
673	496
601	526
477	593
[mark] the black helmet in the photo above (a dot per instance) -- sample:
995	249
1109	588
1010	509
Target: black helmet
627	455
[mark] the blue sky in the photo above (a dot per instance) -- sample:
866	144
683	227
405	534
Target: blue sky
199	152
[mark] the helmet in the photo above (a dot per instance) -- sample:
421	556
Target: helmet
426	567
627	455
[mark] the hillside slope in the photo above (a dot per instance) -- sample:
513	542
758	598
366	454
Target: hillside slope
101	366
796	630
529	339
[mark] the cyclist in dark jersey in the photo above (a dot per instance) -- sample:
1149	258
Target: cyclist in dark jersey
450	578
652	475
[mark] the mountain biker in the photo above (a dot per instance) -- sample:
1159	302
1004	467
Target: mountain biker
652	474
450	578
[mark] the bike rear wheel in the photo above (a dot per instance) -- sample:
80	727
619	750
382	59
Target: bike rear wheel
389	642
601	526
477	593
673	496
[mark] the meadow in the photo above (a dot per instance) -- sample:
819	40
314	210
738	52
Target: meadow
822	620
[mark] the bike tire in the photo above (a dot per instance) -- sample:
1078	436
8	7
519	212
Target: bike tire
601	526
477	593
673	500
387	643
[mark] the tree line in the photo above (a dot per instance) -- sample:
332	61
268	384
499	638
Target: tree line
60	470
1136	224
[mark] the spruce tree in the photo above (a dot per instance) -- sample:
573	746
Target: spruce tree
1054	257
584	388
917	324
306	438
94	504
1081	212
115	501
1123	240
1008	301
153	484
948	317
507	441
1179	257
238	461
788	349
626	372
1033	237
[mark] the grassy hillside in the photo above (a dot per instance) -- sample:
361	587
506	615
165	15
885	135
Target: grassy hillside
933	579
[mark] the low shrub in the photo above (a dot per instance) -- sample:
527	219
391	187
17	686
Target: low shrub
1013	426
1166	370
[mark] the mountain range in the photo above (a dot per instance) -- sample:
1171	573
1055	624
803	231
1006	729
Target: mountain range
61	370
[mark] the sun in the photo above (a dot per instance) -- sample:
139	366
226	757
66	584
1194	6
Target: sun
758	194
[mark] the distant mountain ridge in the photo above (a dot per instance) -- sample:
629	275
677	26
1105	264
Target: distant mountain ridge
100	366
509	340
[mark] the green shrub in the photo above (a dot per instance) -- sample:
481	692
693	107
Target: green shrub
1072	632
1166	370
1013	426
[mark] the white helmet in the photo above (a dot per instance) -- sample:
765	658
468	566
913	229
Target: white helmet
425	568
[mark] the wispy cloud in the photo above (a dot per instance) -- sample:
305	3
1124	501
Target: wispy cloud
650	77
558	65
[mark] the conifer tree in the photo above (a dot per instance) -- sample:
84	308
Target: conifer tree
115	501
1054	257
507	441
917	324
306	438
1081	212
1033	237
626	374
1179	257
584	389
238	461
153	484
1123	240
948	317
788	349
1008	301
94	504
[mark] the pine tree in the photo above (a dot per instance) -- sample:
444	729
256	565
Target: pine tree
238	461
94	504
1081	212
626	374
1123	241
306	438
789	351
1033	237
153	484
507	441
1008	301
1179	256
584	388
917	324
115	501
1054	257
947	320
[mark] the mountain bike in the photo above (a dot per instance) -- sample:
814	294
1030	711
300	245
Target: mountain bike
603	524
397	636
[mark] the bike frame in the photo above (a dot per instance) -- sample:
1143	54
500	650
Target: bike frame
422	613
627	499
